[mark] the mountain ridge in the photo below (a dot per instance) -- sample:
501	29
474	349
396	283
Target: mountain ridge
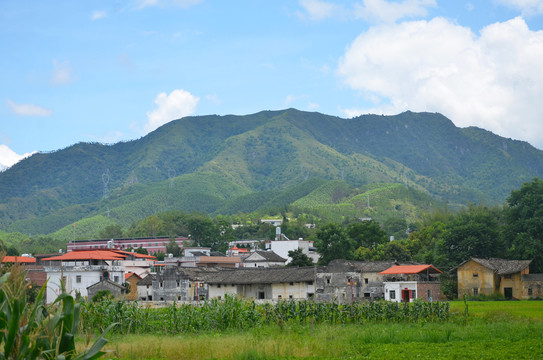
261	156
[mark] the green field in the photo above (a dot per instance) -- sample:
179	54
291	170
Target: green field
491	330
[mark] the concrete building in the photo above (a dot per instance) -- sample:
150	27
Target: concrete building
78	270
153	245
283	246
405	283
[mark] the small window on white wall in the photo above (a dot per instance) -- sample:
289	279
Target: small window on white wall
392	294
78	279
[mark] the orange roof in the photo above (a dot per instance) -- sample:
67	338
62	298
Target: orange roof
410	269
88	255
19	259
128	274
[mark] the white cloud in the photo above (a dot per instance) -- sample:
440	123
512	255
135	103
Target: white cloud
317	9
9	157
100	14
28	109
177	104
214	99
62	73
377	11
494	80
140	4
527	7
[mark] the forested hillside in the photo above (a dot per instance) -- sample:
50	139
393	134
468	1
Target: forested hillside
229	164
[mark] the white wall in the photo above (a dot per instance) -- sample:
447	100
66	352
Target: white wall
397	287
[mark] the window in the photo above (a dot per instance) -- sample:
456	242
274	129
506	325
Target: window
475	275
508	276
116	278
161	284
290	296
178	284
261	295
366	281
367	295
78	279
529	291
328	281
310	295
279	297
218	297
310	283
291	284
178	297
475	291
392	294
413	294
429	294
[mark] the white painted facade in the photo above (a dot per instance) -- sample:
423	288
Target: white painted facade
398	290
78	276
282	247
278	291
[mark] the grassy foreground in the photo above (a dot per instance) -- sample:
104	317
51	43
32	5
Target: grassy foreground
492	330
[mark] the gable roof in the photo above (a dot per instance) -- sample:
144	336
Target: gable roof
262	276
87	255
267	255
106	281
500	266
19	259
411	269
129	274
341	265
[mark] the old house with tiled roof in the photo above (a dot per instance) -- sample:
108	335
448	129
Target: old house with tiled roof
265	259
478	276
264	283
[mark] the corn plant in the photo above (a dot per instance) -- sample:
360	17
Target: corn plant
34	331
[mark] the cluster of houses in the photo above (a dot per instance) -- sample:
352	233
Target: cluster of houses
201	275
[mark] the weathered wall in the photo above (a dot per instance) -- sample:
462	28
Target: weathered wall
513	281
486	282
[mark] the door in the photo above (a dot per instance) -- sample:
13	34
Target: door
508	293
405	296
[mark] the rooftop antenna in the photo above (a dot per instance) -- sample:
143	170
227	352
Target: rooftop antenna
105	180
171	175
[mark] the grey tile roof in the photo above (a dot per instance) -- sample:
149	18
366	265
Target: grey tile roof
148	280
532	277
262	276
340	265
268	256
500	266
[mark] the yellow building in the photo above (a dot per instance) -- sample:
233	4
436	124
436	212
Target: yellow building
492	276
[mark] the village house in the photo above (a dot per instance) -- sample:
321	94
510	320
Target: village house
405	283
78	270
282	245
131	281
265	259
177	284
348	280
495	276
118	291
274	283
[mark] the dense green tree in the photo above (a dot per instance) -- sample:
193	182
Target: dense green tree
114	231
426	245
473	232
366	234
523	224
299	258
397	227
150	226
333	243
173	248
142	250
202	230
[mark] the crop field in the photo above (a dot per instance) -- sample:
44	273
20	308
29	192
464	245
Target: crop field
489	330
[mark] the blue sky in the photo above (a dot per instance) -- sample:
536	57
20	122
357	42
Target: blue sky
106	71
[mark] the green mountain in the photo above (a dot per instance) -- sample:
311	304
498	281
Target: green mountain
230	164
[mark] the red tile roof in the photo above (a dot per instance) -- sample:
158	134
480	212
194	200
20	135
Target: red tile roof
410	269
137	255
19	259
88	255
